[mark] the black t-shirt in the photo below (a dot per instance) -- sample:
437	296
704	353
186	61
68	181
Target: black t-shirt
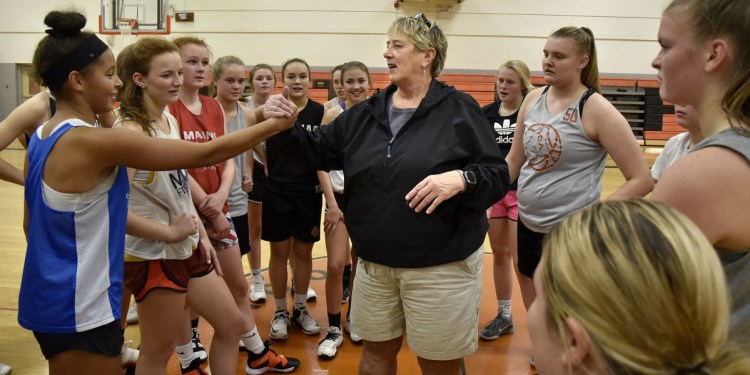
290	171
504	127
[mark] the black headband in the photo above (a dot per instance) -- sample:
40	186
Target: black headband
79	58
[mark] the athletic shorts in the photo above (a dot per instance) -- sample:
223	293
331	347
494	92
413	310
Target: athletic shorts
243	233
506	207
287	217
171	274
438	305
258	194
529	249
226	242
105	340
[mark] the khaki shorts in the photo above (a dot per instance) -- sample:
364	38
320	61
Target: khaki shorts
438	305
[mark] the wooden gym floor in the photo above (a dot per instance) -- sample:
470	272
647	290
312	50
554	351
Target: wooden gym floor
507	355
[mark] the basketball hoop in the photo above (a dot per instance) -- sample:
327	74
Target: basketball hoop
126	25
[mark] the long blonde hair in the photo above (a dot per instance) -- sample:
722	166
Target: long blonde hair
646	286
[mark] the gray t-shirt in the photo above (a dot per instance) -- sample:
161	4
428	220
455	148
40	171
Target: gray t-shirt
736	263
398	116
237	199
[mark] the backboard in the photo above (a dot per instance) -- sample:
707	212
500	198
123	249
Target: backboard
136	17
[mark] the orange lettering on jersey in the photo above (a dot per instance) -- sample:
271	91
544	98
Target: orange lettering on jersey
571	115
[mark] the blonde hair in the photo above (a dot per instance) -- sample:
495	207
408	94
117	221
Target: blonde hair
424	34
523	72
217	69
584	39
646	286
730	19
136	58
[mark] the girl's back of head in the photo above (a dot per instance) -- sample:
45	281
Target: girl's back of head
645	285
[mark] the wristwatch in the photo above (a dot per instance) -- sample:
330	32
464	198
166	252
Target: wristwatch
470	181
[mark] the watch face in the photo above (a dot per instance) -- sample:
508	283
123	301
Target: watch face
469	177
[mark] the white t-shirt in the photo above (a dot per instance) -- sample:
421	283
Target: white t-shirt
676	147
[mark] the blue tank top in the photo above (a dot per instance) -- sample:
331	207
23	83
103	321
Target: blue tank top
72	276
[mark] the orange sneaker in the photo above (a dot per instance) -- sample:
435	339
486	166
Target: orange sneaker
269	361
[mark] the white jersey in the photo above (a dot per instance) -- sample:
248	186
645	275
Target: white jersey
677	147
156	194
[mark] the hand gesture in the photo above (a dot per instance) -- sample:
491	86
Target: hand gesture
435	189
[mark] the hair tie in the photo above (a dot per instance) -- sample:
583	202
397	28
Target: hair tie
89	50
59	33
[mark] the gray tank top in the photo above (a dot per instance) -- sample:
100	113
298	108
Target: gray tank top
736	263
237	200
563	168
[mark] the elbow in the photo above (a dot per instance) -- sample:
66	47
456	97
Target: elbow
648	185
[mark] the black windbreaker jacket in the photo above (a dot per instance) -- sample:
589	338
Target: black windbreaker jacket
448	131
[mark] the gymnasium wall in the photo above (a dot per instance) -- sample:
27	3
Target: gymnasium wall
481	33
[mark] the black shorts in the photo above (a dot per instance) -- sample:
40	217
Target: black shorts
290	216
106	340
529	249
243	233
259	189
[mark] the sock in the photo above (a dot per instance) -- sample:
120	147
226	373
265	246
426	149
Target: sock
253	342
300	300
503	308
194	325
280	304
347	275
257	272
185	354
334	320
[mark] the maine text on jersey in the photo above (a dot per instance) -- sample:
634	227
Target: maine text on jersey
197	135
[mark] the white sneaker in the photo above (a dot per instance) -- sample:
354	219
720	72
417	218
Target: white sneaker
5	369
132	317
257	289
129	356
327	347
306	322
348	328
311	295
280	325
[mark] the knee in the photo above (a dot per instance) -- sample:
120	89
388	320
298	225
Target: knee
501	254
239	288
335	269
255	230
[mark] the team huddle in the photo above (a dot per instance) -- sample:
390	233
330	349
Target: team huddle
171	188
